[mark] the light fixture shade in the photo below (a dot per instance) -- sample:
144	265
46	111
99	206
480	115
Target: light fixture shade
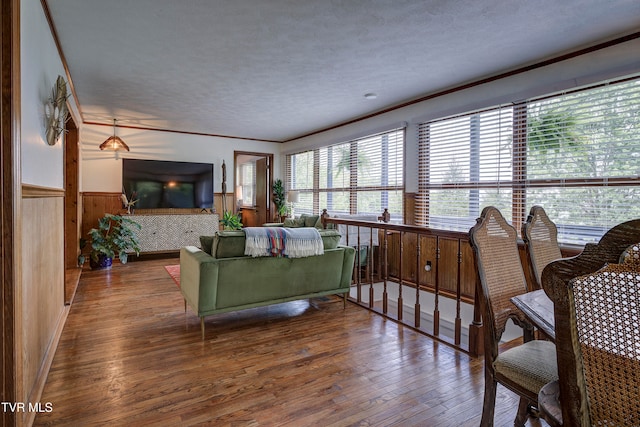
114	143
293	196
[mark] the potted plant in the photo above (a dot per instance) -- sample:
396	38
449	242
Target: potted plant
82	257
279	199
231	221
115	235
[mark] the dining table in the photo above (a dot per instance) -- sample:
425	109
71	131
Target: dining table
538	308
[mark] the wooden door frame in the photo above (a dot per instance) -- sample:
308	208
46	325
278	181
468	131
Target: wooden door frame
269	157
71	203
10	190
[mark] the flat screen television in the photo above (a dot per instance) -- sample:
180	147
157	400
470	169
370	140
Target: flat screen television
167	184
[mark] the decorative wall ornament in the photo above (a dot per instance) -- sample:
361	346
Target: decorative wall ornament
56	111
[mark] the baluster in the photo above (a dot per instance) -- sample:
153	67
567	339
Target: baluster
476	344
436	308
400	302
370	266
358	284
385	273
418	260
458	327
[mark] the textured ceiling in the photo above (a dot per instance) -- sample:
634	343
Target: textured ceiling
279	69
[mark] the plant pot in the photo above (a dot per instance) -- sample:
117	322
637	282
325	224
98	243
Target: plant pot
104	262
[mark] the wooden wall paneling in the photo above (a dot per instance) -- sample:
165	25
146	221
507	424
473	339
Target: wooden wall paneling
448	265
468	273
428	254
217	203
95	205
409	253
393	253
43	310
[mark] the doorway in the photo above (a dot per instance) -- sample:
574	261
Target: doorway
252	193
72	209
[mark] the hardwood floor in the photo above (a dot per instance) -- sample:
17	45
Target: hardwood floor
130	355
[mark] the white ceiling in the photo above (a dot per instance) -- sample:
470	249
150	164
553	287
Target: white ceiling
280	69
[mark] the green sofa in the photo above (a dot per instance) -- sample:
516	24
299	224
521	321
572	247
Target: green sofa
218	277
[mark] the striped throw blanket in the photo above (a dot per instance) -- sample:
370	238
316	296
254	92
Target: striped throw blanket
282	242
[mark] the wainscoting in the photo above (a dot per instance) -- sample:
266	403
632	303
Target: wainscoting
41	312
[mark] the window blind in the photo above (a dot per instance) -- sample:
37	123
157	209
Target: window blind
465	163
300	176
583	158
576	154
362	176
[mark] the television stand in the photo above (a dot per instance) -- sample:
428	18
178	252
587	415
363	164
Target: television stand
170	232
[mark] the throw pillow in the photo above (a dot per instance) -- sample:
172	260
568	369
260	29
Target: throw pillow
294	222
206	242
228	244
330	238
309	220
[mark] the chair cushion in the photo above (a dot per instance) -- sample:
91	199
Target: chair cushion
532	364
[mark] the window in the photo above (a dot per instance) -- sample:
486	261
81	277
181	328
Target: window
362	176
246	182
575	154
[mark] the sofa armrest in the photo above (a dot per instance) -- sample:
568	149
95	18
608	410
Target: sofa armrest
198	278
347	265
273	224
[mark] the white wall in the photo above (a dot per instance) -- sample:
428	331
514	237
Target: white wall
102	173
616	61
42	164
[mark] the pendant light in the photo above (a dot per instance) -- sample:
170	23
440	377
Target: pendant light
114	142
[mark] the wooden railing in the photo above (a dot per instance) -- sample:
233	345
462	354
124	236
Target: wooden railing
420	277
426	271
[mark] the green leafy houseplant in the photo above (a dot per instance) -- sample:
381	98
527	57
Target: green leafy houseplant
114	236
279	198
231	221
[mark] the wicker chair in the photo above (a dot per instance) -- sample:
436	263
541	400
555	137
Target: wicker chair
597	319
541	237
523	369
